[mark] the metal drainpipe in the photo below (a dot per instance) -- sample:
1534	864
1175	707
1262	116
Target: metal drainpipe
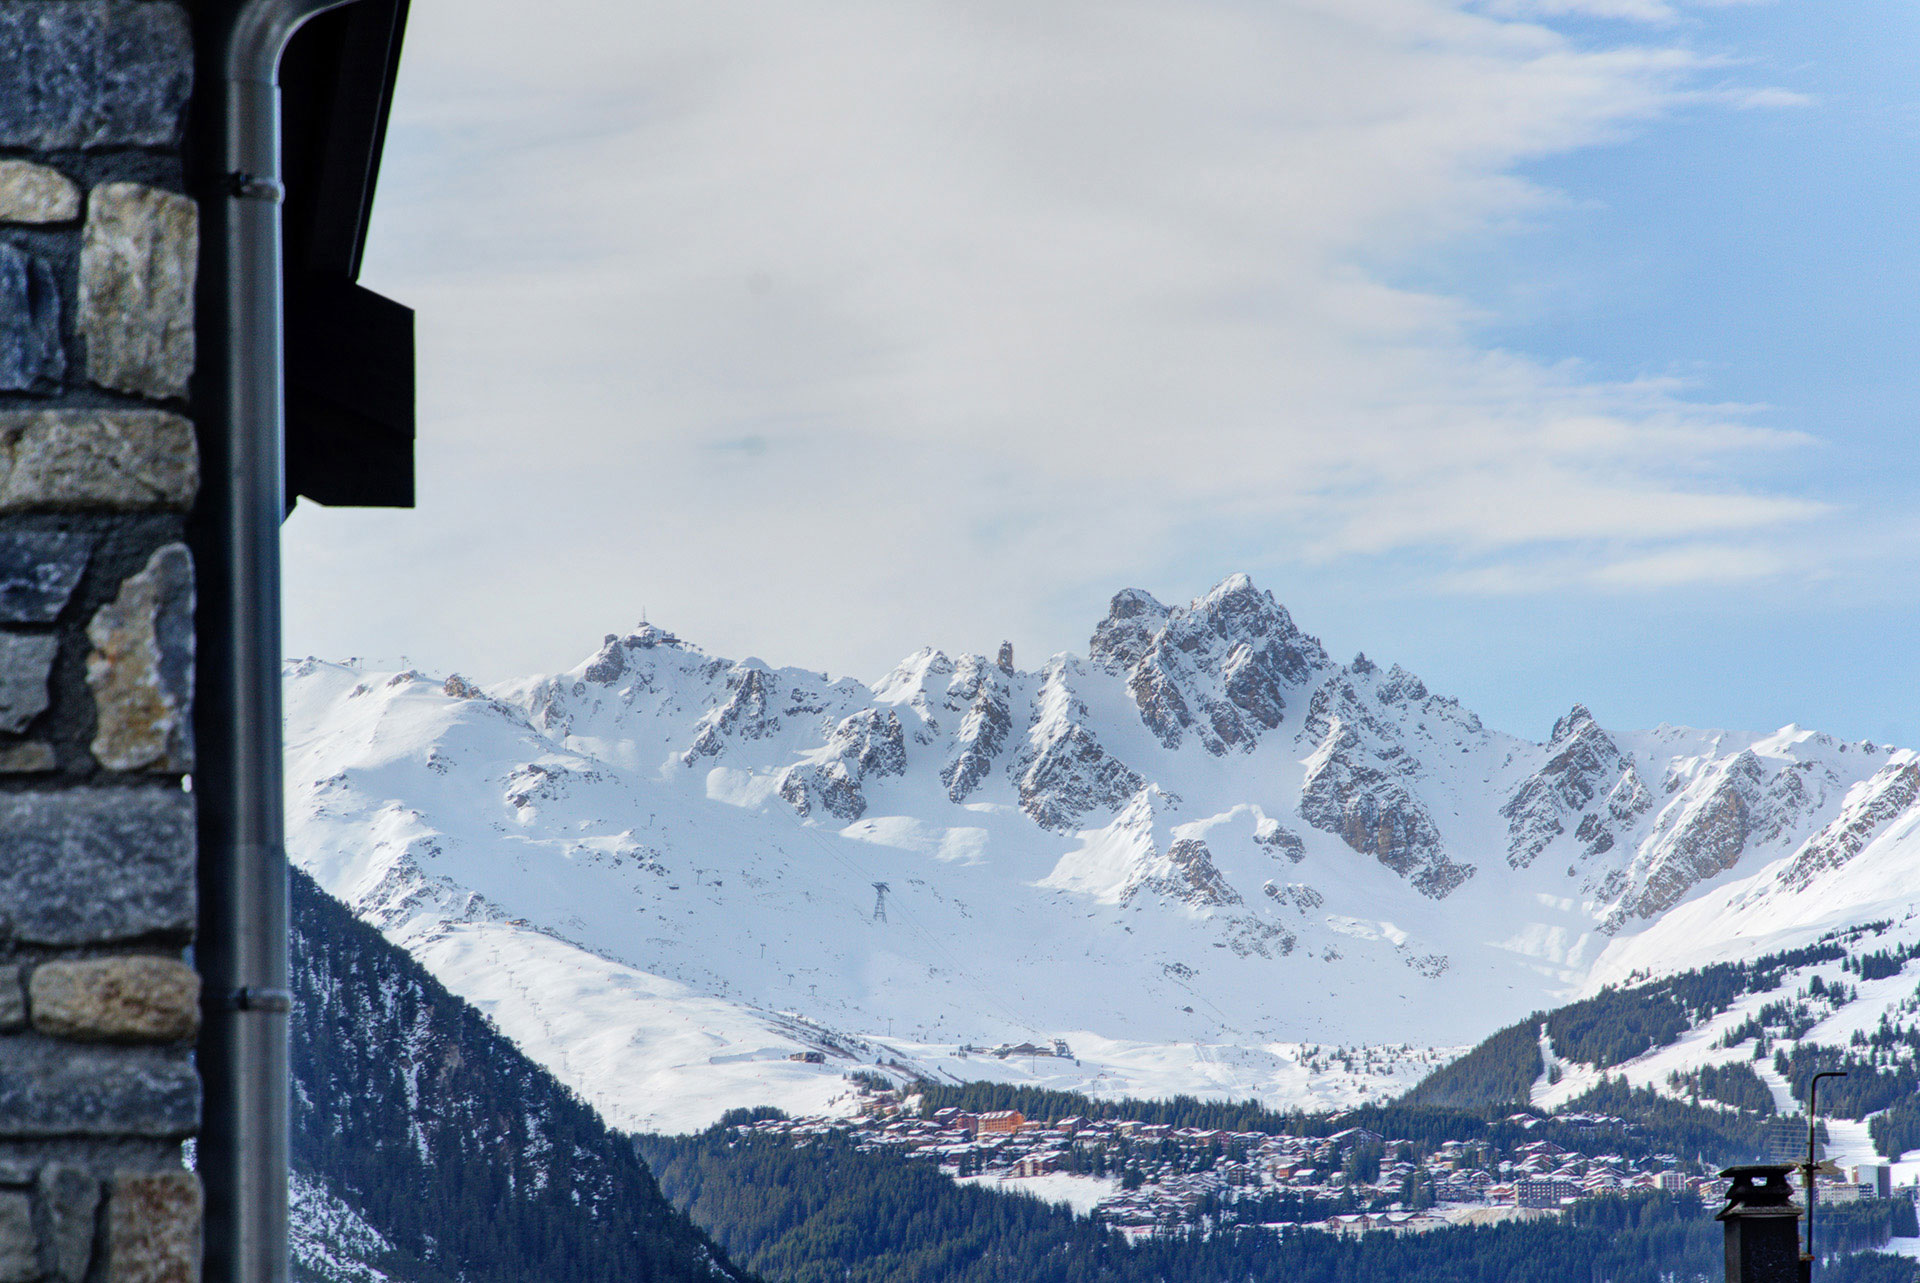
241	949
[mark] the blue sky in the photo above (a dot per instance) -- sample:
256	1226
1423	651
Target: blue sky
1557	355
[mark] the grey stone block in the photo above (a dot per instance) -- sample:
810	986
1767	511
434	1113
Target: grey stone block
66	1089
91	865
31	358
30	757
92	73
19	1249
137	264
141	668
39	570
31	193
67	1204
25	661
97	459
13	1002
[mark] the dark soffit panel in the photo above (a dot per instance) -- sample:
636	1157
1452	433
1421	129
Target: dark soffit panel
349	352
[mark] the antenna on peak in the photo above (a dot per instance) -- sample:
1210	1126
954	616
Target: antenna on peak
880	890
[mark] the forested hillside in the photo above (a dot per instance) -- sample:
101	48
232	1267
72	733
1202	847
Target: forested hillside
429	1148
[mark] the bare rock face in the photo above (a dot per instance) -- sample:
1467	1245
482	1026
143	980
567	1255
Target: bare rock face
1062	771
823	786
1360	798
745	715
141	668
137	266
1194	879
1216	669
1070	775
607	666
1295	895
1281	840
867	744
871	743
1868	810
984	727
1583	764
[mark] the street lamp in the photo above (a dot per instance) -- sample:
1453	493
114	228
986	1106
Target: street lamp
1813	1090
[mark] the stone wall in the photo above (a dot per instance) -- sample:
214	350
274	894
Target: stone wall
98	468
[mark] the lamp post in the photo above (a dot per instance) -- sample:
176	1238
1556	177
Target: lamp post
1813	1092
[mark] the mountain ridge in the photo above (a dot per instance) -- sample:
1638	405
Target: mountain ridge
1195	855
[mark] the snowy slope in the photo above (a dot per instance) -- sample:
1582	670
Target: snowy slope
1205	856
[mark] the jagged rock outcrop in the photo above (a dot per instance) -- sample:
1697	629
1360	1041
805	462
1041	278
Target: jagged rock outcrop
984	727
1869	808
871	743
1735	806
1352	794
1281	840
1582	761
867	744
1295	895
1062	772
744	715
1217	668
1194	879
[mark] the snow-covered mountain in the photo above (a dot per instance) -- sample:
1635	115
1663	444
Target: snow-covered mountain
1203	857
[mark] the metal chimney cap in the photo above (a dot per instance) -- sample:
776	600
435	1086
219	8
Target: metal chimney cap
1759	1185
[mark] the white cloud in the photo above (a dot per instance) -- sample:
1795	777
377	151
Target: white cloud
834	329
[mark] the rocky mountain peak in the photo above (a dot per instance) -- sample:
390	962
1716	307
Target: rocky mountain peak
1134	619
1586	783
1216	669
1576	721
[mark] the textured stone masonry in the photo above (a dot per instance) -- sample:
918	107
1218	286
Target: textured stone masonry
31	358
95	865
99	470
39	570
67	1203
13	1000
26	659
113	459
31	193
141	668
92	73
137	266
60	1088
123	999
154	1229
19	1248
32	757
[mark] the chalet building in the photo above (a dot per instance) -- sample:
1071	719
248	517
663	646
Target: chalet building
1550	1192
1000	1122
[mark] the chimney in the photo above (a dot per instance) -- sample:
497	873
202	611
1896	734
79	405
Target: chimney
1763	1227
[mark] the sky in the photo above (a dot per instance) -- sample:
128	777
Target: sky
1560	351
